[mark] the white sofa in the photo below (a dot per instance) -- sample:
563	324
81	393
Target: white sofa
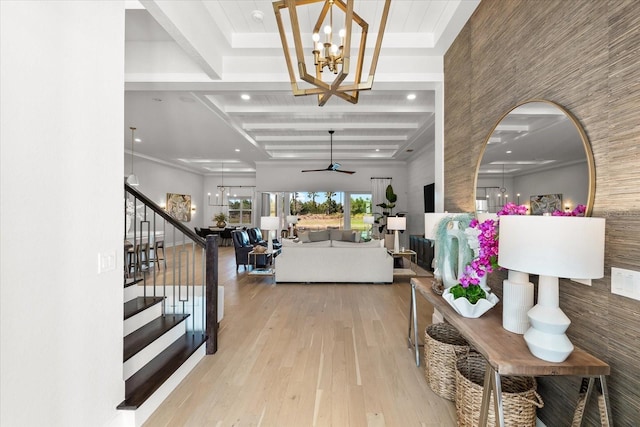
334	261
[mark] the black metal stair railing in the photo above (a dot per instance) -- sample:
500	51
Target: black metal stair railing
169	260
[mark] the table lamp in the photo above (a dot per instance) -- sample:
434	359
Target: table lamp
292	220
552	247
396	223
370	220
269	223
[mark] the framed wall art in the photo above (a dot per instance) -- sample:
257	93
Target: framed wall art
546	203
179	206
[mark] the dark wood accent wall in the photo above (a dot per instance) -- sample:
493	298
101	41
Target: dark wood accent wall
584	55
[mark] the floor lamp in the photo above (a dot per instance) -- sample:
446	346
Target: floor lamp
552	247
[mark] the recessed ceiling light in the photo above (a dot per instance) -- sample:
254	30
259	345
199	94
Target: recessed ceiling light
245	96
237	150
137	140
377	149
411	96
509	151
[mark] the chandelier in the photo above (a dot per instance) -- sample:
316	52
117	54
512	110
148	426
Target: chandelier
329	51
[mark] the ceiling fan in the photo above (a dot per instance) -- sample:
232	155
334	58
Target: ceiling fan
332	166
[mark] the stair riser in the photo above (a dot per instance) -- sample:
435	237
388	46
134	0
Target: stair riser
131	292
142	318
143	357
138	417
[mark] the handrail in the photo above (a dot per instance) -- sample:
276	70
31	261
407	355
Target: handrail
182	296
157	209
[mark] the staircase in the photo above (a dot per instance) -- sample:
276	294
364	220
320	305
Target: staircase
167	328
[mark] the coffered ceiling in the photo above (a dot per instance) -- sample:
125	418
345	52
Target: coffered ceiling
188	65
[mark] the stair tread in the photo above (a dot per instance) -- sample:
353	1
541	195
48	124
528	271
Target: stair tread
136	305
130	281
142	337
141	385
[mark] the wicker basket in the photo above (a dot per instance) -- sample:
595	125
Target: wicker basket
443	344
519	396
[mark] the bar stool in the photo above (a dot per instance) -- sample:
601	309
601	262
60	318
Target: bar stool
158	246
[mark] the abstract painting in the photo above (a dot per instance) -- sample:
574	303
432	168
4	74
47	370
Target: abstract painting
546	203
179	206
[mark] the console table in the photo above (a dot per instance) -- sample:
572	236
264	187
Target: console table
506	353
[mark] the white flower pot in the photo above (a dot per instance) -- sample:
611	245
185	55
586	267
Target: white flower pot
464	308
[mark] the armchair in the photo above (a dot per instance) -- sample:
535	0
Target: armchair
255	237
242	247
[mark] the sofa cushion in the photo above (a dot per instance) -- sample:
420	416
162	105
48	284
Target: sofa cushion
320	244
318	236
290	242
303	236
335	234
343	244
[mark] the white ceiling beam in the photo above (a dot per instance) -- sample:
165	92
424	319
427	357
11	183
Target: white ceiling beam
341	147
512	128
313	138
191	26
328	125
334	108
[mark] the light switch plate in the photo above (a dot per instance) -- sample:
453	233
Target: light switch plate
625	282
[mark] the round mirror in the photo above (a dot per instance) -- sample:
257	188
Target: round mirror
537	155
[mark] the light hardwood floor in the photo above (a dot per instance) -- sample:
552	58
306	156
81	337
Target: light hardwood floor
308	355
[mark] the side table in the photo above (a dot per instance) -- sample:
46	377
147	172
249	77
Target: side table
412	256
506	353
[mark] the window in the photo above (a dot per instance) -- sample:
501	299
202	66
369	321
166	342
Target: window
319	210
240	209
360	206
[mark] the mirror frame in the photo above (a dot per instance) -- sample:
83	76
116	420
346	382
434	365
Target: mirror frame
583	137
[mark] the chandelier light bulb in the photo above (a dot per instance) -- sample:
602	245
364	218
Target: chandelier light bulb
327	29
316	37
334	49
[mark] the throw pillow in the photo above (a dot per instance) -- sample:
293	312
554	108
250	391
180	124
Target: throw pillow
303	236
259	249
347	236
318	236
336	234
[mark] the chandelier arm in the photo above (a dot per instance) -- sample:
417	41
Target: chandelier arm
285	46
376	51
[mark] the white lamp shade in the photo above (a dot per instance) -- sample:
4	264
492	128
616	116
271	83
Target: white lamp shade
397	223
269	222
431	221
556	246
132	180
483	216
292	219
368	219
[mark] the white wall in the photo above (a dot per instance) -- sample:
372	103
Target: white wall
156	180
421	172
62	109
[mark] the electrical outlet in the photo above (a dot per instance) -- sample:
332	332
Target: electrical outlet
625	282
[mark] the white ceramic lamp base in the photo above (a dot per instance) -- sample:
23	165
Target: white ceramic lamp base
517	300
546	337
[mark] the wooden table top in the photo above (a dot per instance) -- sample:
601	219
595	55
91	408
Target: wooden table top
505	351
